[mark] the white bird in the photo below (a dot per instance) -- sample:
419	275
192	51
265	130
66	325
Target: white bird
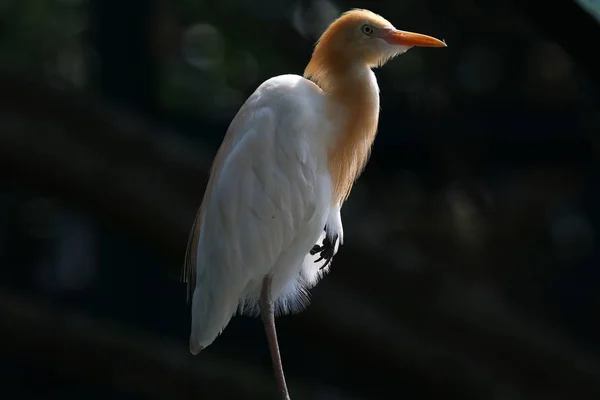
269	223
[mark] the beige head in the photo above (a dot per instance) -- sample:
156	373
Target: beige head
361	37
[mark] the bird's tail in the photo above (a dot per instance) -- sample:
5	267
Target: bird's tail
213	304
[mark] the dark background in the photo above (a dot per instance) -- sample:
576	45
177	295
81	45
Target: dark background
470	268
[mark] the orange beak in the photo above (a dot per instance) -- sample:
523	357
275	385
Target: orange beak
403	38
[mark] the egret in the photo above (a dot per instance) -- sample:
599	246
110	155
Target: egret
269	223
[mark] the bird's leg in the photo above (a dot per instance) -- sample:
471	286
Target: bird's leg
267	313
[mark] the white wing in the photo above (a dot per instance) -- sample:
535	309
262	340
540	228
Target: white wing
264	202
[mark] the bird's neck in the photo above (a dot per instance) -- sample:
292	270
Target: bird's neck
353	107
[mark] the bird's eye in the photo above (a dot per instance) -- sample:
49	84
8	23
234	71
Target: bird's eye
367	29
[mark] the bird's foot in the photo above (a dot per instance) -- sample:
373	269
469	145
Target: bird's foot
327	250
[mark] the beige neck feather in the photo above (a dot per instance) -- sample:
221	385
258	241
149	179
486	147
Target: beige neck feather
353	92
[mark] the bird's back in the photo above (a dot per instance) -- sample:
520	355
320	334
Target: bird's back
265	205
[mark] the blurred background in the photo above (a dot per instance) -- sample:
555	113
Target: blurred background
470	267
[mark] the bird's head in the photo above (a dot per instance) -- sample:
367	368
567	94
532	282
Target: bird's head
361	37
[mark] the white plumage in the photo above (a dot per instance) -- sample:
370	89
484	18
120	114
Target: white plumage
270	202
270	223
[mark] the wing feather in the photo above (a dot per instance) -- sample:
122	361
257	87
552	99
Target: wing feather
259	199
188	272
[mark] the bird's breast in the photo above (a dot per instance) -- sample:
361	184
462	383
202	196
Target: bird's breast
356	117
